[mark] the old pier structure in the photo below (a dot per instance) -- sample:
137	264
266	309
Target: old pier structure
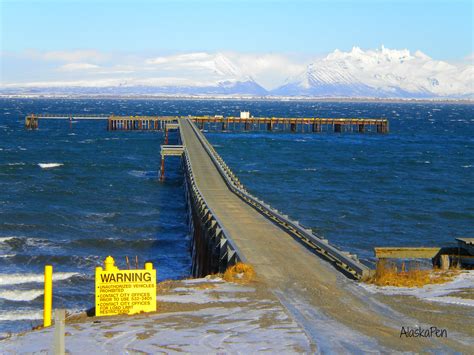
228	223
230	123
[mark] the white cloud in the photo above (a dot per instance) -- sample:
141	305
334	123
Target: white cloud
270	70
77	67
68	56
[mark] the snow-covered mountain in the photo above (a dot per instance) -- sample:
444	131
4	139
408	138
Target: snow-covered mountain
381	73
184	74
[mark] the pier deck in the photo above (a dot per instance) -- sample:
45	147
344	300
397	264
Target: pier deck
299	278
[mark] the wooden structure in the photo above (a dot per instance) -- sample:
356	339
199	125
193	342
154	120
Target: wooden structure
440	256
308	125
406	253
466	244
169	150
230	123
139	123
170	126
31	122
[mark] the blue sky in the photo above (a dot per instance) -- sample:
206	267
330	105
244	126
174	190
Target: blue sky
441	29
116	41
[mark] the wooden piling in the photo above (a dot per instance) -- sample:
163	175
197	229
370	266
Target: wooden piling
444	262
162	169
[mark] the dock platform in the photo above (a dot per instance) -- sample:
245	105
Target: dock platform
230	123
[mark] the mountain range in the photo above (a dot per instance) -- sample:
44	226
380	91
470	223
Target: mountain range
380	73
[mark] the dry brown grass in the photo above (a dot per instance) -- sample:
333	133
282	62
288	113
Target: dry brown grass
239	273
387	274
166	286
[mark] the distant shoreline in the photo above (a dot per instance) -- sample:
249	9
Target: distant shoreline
240	98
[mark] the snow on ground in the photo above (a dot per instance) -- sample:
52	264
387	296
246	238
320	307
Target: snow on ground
444	293
204	316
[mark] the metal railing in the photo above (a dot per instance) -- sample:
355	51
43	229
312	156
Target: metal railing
229	253
344	260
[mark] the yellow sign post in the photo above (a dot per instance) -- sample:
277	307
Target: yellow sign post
48	295
124	291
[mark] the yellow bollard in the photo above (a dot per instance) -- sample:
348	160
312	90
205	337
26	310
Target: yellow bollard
48	295
109	264
148	266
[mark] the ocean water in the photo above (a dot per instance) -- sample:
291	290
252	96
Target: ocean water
71	194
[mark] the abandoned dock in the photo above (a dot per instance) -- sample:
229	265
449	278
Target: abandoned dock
229	123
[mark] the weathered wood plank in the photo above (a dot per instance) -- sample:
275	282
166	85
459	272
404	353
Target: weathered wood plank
406	252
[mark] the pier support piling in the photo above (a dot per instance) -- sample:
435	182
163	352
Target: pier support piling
162	169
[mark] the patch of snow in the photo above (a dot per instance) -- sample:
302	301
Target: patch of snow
435	293
244	327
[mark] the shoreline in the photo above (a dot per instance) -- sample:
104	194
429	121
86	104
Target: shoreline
231	315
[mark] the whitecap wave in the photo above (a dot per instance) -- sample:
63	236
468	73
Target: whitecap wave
19	241
21	315
49	165
20	295
17	279
15	164
143	174
4	256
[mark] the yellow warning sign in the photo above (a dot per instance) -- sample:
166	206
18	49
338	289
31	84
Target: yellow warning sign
124	291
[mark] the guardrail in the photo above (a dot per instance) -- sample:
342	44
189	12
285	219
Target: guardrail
223	251
349	263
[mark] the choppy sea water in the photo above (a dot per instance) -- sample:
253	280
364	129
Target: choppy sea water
71	194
